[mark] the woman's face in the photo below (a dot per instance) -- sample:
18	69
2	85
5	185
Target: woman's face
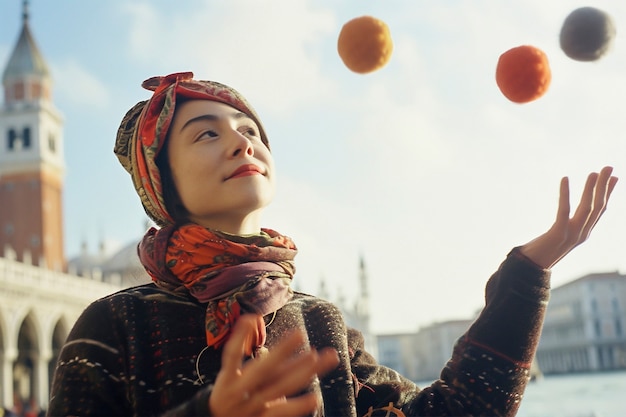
223	172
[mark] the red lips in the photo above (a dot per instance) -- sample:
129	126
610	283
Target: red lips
245	170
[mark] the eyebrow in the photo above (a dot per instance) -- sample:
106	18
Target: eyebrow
213	117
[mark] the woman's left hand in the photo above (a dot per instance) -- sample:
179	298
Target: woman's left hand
566	233
264	386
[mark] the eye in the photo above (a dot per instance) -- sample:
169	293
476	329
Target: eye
250	131
208	134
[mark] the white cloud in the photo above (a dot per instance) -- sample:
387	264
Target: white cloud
270	50
80	86
145	24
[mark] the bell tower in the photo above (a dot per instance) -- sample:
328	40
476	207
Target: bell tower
31	158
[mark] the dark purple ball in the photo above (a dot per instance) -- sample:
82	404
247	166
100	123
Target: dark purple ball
587	34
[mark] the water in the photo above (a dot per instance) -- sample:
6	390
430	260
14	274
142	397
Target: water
579	395
575	395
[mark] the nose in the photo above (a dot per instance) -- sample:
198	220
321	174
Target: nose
239	144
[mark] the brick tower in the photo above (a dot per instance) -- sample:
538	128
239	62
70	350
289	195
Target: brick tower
31	159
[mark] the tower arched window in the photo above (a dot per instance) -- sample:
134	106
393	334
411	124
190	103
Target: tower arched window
26	137
11	138
52	143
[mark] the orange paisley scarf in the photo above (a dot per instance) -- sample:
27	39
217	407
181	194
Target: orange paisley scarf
232	274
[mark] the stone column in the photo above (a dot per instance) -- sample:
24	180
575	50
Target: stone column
41	369
6	377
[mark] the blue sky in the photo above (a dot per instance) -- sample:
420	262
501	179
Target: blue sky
422	167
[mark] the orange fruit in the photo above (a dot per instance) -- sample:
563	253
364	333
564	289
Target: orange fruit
365	44
523	74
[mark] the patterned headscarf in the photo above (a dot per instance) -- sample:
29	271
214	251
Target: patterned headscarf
143	132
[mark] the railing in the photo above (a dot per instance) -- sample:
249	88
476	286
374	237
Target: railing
19	277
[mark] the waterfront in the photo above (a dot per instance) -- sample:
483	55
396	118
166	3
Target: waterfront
577	395
574	395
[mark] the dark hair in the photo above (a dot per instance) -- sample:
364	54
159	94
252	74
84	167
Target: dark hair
173	203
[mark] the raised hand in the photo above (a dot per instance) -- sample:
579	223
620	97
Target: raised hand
263	386
568	232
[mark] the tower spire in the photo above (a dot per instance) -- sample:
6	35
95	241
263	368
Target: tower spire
31	157
26	77
25	12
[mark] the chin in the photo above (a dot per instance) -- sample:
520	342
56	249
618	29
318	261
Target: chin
260	199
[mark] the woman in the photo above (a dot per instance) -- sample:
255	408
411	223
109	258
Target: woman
220	332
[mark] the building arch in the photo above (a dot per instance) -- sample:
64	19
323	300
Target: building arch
25	369
4	359
3	333
60	332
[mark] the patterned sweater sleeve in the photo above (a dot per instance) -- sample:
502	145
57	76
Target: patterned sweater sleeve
489	368
94	371
91	371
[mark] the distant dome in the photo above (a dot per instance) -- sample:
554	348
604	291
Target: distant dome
84	264
125	264
122	267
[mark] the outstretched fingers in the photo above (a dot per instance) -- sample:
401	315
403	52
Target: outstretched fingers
288	368
604	188
583	212
562	216
265	385
568	232
227	397
243	339
292	374
596	193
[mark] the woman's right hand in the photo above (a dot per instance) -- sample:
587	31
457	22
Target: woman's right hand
264	386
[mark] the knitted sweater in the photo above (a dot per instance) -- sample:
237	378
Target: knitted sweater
138	353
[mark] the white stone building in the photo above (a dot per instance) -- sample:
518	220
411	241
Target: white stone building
39	300
421	356
585	326
38	307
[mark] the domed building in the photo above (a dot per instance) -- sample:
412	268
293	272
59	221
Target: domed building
121	267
